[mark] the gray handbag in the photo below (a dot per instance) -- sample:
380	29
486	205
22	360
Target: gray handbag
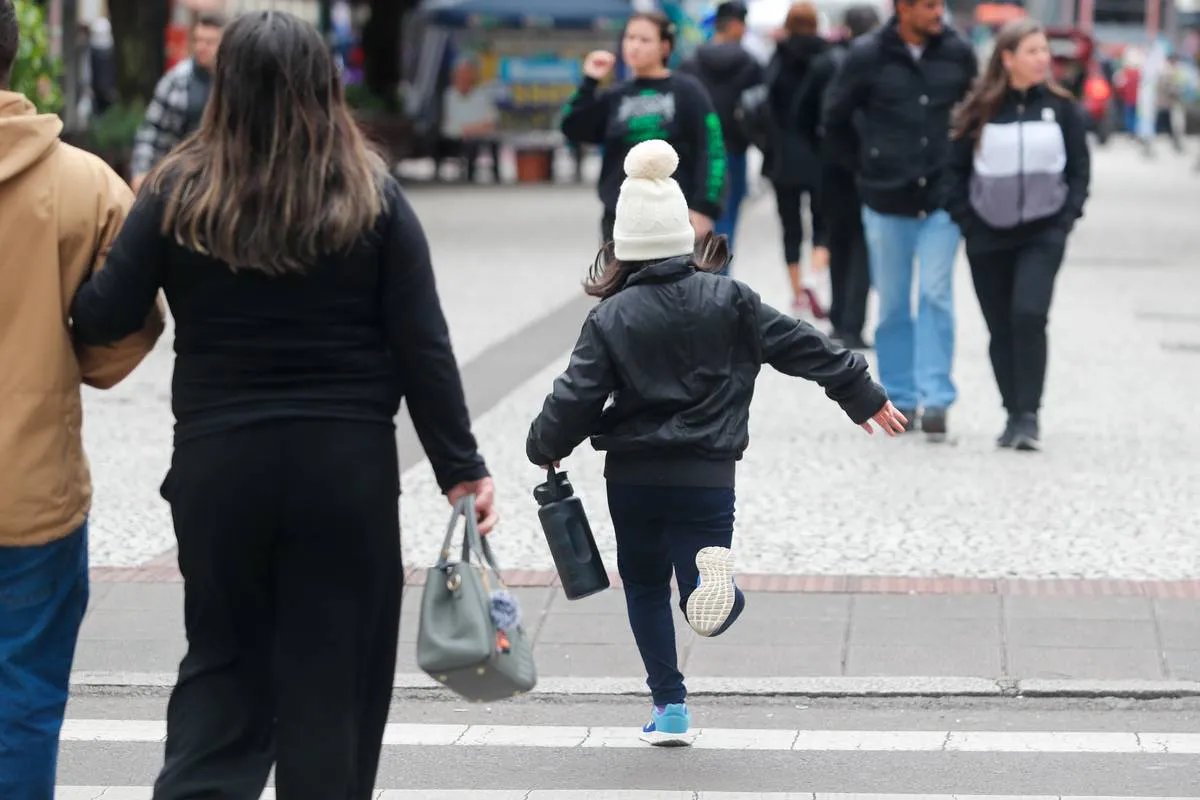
459	644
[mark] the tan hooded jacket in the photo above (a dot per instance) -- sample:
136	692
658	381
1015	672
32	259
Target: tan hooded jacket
60	209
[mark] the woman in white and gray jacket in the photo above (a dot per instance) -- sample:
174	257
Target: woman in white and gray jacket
1017	182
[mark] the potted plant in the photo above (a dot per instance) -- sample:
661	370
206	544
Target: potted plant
36	72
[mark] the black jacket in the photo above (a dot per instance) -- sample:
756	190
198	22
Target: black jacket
1034	176
726	70
906	107
793	159
677	351
837	187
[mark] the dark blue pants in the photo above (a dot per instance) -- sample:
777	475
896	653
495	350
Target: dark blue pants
43	595
736	175
659	530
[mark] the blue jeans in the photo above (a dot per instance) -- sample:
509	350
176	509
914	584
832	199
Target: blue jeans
43	595
660	529
915	355
736	174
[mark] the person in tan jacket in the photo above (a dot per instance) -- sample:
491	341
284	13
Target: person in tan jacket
60	209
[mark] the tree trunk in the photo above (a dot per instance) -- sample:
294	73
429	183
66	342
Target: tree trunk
139	27
382	47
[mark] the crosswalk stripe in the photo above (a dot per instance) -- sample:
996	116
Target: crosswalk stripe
435	735
144	793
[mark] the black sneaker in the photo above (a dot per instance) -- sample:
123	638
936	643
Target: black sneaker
933	423
1027	436
1010	432
910	414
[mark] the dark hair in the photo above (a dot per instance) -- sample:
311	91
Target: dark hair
10	35
802	20
860	20
278	173
728	13
609	274
211	19
666	28
987	95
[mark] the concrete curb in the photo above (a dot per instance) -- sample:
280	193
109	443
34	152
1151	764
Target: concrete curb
94	684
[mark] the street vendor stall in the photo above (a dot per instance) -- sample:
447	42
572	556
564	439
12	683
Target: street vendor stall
529	54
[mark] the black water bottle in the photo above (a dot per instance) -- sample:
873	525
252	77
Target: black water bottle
576	557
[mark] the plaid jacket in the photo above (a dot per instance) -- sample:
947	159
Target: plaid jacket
165	124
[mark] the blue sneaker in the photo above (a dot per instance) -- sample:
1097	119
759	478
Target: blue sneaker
716	601
668	726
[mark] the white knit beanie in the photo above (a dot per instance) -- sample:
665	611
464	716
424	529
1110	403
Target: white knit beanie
652	215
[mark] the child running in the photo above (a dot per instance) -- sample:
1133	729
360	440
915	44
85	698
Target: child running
677	348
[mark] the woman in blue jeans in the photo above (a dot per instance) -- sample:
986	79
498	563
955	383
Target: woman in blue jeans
677	349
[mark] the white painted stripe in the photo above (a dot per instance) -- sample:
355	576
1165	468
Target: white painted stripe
145	792
92	683
429	735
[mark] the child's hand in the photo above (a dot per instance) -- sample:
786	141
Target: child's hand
888	419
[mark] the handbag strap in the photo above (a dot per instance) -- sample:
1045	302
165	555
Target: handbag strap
473	541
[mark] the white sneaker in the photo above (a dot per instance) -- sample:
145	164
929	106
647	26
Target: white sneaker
710	605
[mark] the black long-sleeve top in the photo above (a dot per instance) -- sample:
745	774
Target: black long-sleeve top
347	339
676	108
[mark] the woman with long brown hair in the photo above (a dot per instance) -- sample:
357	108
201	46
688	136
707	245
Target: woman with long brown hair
305	308
1018	180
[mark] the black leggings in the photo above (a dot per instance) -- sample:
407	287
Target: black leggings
1014	288
788	202
289	545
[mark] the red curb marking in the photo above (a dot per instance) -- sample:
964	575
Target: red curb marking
163	571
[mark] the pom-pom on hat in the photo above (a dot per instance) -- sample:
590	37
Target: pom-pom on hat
652	221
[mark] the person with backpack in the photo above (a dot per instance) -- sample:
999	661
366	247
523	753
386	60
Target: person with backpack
841	206
677	350
791	164
728	71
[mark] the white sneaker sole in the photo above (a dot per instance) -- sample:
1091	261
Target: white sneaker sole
669	739
711	604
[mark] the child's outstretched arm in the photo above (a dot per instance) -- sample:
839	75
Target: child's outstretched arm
796	348
572	409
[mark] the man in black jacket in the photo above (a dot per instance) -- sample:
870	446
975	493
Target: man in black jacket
841	207
905	79
727	70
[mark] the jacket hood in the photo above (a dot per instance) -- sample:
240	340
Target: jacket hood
723	60
801	50
25	135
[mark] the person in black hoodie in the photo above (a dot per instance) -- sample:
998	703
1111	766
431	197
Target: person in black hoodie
305	308
889	109
653	104
1017	182
841	207
792	165
677	350
728	71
